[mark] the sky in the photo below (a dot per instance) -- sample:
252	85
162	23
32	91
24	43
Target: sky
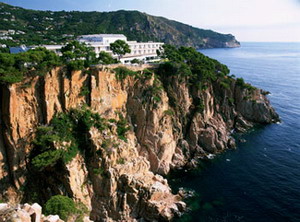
248	20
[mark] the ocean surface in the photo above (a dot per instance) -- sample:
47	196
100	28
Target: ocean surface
260	180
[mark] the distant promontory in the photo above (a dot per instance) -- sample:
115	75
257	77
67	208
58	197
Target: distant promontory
32	27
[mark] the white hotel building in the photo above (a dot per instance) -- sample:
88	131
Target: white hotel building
145	51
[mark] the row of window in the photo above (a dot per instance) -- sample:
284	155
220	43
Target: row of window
134	52
145	46
140	52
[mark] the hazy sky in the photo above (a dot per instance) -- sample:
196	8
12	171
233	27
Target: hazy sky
248	20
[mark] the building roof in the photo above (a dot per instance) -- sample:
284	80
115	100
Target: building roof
14	50
102	35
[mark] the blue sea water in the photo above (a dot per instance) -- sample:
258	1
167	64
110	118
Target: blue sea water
260	180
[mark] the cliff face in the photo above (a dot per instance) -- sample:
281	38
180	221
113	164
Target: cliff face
117	178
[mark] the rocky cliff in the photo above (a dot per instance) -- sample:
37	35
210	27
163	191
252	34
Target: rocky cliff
140	127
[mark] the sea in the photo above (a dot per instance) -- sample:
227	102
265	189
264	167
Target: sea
260	180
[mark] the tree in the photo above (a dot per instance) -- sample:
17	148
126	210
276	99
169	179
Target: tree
106	58
136	61
78	55
120	48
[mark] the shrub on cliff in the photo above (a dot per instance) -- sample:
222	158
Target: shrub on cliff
105	58
122	127
122	72
241	83
60	205
65	136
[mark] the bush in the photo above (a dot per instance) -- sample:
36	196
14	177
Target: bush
122	127
136	61
169	112
231	101
147	72
122	72
106	58
121	161
240	82
98	171
48	158
200	106
60	205
71	127
84	91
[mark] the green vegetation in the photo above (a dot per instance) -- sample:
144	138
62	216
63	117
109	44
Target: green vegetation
78	56
189	63
226	82
37	61
98	171
120	48
169	112
153	92
136	61
47	159
121	161
46	27
122	72
84	91
200	106
67	134
231	101
147	72
240	82
122	127
105	58
62	206
64	137
196	69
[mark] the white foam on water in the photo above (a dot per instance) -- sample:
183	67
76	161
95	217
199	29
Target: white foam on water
210	156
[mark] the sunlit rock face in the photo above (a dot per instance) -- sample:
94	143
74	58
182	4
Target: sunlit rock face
122	181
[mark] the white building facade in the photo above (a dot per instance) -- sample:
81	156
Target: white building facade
145	51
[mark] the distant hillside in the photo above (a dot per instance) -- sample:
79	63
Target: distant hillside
30	27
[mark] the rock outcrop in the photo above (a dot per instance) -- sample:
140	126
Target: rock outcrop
171	125
28	213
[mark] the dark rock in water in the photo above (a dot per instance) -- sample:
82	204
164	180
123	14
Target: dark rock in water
242	140
231	143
